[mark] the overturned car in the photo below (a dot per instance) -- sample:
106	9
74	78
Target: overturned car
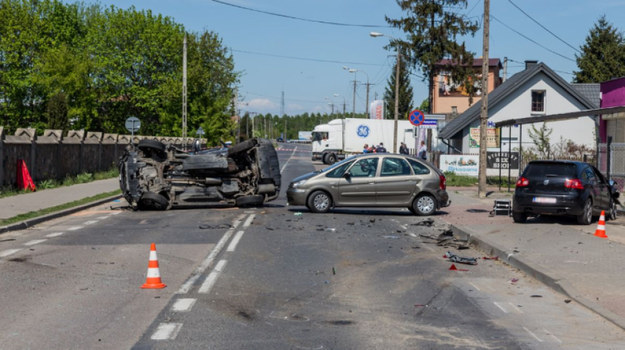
155	176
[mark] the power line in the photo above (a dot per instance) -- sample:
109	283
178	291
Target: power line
300	18
530	39
305	58
543	27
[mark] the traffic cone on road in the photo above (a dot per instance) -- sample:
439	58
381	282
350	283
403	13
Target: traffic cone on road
153	280
600	231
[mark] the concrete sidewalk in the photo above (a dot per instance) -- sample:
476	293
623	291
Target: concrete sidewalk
557	251
30	202
563	255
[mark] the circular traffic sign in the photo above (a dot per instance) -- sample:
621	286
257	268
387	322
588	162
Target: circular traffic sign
133	124
416	117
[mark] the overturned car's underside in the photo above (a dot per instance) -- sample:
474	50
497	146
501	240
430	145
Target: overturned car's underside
158	176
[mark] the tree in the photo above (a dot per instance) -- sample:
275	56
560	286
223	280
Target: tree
405	92
542	140
603	54
432	27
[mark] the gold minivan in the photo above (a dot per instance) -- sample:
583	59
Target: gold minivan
372	180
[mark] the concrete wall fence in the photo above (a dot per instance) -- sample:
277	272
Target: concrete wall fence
53	156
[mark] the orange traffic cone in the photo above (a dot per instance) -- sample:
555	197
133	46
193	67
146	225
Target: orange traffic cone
453	267
600	231
153	280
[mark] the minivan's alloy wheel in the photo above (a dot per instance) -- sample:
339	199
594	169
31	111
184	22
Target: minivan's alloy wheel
319	202
585	218
424	204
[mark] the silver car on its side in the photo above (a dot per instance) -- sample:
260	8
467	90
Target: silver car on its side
372	180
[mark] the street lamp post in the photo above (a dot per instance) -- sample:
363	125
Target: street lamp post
375	35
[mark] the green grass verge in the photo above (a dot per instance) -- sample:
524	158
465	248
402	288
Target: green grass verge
42	212
468	181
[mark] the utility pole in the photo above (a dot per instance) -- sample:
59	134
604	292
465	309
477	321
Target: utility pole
354	100
367	101
184	92
484	110
505	69
396	99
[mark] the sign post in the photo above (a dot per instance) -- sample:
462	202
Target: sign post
133	124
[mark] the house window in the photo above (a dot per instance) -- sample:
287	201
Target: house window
538	100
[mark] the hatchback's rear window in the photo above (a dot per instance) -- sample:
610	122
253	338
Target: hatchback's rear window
550	169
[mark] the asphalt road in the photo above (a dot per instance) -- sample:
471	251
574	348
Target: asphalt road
276	277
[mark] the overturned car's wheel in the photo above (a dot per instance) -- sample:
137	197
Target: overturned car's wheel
243	146
250	201
152	201
152	147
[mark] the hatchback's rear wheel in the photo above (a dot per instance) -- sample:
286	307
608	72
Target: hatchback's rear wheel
519	217
319	202
424	204
585	218
612	211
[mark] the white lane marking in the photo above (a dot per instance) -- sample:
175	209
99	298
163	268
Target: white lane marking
474	286
249	220
288	160
533	335
516	308
143	222
103	217
212	277
115	213
90	222
553	336
235	241
35	241
74	228
5	253
166	331
183	305
500	307
208	262
55	234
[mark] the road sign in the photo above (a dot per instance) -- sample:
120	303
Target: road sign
416	117
200	131
133	124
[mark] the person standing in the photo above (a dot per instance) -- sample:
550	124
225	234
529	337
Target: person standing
403	149
365	148
423	151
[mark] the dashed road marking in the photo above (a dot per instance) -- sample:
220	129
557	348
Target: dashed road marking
212	277
235	241
74	228
533	335
553	336
167	331
500	307
474	286
5	253
55	234
90	222
516	308
183	305
208	262
249	220
35	241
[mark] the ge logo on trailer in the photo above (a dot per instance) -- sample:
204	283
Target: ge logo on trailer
363	131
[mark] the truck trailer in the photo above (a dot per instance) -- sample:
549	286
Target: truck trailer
342	137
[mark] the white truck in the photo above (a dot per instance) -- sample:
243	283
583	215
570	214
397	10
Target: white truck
342	137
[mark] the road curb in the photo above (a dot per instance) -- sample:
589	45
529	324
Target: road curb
22	225
548	278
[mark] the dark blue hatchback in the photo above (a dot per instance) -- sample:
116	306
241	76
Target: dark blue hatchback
559	187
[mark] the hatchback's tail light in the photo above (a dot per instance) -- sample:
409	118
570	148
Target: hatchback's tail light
442	182
522	182
574	184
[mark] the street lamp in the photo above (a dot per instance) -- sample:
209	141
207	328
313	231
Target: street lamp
375	35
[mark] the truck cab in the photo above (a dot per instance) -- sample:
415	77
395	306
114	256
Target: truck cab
327	142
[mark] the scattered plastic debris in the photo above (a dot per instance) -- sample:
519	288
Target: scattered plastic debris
514	280
330	229
460	259
454	268
567	300
298	213
490	258
390	237
536	296
333	271
427	222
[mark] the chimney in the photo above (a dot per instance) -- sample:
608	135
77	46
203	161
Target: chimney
530	63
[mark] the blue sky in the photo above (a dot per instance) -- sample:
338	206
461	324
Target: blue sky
304	59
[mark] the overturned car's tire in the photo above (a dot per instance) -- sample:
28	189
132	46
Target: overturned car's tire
243	146
152	147
250	201
152	201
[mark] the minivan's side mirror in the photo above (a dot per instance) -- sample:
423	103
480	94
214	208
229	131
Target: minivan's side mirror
347	175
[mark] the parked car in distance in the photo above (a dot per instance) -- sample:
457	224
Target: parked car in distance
561	187
372	180
156	176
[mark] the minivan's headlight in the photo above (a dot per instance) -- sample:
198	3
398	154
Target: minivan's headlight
298	184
